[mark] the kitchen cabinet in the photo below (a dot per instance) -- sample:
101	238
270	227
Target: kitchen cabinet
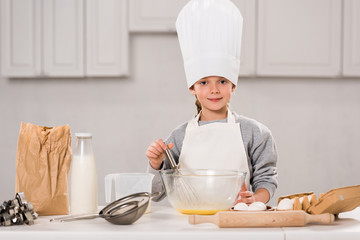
160	16
46	38
154	15
20	38
62	38
351	46
248	44
88	38
299	38
107	38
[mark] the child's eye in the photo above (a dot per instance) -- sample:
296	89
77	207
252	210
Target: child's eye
223	81
203	83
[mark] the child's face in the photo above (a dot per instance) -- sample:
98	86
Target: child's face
213	92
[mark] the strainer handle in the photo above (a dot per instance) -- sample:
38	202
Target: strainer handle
75	217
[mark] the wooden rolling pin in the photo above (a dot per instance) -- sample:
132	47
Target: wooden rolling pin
234	219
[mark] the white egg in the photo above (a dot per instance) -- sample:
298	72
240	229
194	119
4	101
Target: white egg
257	206
241	207
285	204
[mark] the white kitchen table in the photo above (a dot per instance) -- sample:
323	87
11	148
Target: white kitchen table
167	223
346	227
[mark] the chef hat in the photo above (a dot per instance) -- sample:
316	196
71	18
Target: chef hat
209	33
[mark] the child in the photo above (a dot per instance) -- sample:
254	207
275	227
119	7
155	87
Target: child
209	33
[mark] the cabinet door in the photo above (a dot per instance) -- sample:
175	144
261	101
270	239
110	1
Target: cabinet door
247	57
160	16
20	38
154	15
63	38
299	37
351	64
107	40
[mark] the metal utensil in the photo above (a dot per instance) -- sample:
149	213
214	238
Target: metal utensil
123	211
171	159
187	194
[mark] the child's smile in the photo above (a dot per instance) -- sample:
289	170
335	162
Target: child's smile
215	99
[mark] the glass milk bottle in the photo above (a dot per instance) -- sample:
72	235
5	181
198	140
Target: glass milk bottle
83	177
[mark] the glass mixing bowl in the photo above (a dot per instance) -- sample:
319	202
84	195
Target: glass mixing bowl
201	191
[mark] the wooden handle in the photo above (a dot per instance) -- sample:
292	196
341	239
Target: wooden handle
197	219
325	218
228	219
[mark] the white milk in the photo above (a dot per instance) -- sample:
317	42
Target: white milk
83	185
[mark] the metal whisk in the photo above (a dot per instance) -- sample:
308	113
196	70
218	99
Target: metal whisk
187	194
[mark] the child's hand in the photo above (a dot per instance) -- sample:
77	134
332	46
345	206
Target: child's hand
156	153
246	196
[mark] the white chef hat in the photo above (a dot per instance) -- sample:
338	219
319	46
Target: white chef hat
209	33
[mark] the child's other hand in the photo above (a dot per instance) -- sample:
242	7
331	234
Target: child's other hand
156	153
246	196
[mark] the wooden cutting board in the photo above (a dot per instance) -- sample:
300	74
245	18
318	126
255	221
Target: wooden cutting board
237	219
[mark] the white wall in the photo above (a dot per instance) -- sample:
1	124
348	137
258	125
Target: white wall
315	122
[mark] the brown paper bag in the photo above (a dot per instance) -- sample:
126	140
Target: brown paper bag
43	160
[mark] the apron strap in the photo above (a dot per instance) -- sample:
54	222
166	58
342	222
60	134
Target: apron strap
230	116
195	121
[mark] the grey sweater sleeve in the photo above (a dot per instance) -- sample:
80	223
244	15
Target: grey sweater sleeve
260	150
261	153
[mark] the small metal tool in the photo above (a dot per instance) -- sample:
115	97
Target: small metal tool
170	158
17	211
187	194
123	211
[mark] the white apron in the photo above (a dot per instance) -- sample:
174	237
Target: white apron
214	146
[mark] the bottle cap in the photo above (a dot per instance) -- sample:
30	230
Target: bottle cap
84	135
